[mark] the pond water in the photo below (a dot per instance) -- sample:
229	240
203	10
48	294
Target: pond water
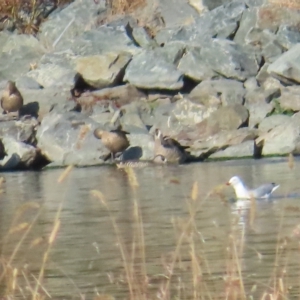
207	248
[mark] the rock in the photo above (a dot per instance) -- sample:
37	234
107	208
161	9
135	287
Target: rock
141	147
101	71
260	95
229	117
273	121
40	102
104	39
287	36
151	70
21	130
223	57
67	138
221	22
282	139
287	67
19	54
195	67
25	82
53	76
258	111
289	99
142	38
250	84
228	91
242	150
189	113
221	141
72	21
18	155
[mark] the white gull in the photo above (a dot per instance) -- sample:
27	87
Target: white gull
243	192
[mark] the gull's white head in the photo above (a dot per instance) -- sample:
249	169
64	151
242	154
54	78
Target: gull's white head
234	181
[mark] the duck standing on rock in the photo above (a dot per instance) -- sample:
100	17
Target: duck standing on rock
169	148
11	100
114	140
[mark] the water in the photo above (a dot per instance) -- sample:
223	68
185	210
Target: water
85	259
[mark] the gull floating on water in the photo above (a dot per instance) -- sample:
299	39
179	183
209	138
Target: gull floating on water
242	192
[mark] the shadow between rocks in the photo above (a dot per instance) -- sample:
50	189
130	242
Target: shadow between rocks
133	153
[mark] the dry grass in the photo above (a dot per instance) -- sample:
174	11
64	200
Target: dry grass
124	6
27	15
293	4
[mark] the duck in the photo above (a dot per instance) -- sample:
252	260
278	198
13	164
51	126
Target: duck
243	192
158	159
169	148
114	140
11	100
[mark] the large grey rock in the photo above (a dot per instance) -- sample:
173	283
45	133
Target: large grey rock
223	57
287	36
289	99
70	22
68	138
242	150
226	90
18	155
102	71
221	141
99	41
221	22
282	139
273	121
258	111
39	102
189	113
19	53
229	117
21	130
261	95
287	66
53	76
151	70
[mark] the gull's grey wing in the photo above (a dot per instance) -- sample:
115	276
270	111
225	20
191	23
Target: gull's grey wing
264	190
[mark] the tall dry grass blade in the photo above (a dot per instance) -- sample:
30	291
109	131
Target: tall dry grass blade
51	239
65	174
291	161
132	177
124	255
16	249
19	227
252	211
42	287
194	193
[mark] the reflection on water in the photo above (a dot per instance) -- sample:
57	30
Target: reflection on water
85	259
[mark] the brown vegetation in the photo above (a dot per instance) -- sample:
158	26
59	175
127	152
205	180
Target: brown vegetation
26	15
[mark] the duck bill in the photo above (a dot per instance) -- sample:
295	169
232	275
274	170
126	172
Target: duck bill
227	183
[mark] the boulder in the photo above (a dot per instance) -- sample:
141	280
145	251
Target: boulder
289	99
222	57
67	138
282	139
151	70
229	117
101	71
70	22
258	112
221	141
18	155
273	121
225	91
287	67
243	150
18	55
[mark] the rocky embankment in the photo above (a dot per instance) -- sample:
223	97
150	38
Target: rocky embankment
221	77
